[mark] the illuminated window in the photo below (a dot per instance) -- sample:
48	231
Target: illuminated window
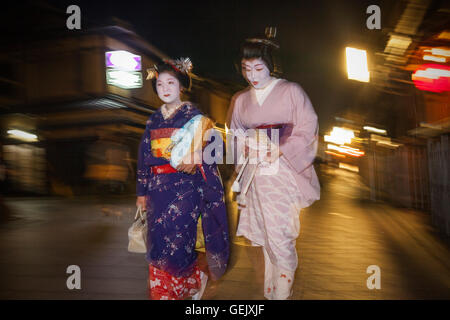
357	68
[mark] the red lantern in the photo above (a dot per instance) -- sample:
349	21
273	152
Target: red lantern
432	77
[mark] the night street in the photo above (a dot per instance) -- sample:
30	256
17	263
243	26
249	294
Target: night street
341	235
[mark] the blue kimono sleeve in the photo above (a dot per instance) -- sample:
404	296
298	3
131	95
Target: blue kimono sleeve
214	190
215	222
143	171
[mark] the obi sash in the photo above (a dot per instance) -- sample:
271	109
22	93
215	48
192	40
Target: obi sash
160	141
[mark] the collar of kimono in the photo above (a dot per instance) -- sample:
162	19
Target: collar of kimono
267	85
166	112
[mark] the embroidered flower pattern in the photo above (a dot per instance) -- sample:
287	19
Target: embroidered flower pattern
163	286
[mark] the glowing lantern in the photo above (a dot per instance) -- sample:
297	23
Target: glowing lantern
432	77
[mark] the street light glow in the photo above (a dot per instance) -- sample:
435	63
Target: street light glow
22	135
334	154
376	130
340	136
346	150
434	58
439	52
432	73
388	144
357	68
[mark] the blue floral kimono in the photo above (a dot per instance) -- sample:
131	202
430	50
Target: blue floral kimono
176	200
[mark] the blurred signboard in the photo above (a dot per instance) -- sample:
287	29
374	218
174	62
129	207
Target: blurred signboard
432	77
123	60
123	69
124	79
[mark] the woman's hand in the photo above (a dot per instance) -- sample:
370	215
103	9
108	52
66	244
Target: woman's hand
140	202
272	156
188	164
187	168
263	151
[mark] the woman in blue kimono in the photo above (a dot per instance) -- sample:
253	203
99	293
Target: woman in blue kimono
175	197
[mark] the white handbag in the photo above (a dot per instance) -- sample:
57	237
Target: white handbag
137	233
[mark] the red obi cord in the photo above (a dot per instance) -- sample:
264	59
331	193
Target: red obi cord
165	168
270	126
163	286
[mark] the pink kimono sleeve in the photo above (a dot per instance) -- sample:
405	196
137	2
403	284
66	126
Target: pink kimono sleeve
235	123
237	133
301	146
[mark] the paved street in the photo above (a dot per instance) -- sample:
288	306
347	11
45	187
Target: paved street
341	235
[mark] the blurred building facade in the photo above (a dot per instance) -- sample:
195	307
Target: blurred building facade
411	167
53	85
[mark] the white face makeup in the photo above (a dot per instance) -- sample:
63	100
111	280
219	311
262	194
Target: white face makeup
168	88
256	72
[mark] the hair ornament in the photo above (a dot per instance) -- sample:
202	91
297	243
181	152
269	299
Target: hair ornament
183	65
152	73
271	33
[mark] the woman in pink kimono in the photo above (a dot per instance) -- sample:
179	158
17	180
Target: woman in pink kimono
279	184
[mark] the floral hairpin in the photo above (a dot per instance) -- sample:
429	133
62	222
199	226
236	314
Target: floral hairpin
183	65
152	73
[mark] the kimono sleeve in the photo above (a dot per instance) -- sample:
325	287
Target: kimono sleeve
215	224
235	122
214	218
214	191
301	146
237	136
143	171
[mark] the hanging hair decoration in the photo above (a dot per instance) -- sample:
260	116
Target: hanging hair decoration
152	73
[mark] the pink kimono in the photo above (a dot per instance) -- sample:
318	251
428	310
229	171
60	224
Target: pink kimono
270	217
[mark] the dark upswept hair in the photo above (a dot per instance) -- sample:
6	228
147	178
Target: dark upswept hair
262	48
183	78
257	50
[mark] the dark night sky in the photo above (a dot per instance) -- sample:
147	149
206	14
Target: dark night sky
312	35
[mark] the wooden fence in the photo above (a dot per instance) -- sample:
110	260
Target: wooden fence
412	176
439	180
